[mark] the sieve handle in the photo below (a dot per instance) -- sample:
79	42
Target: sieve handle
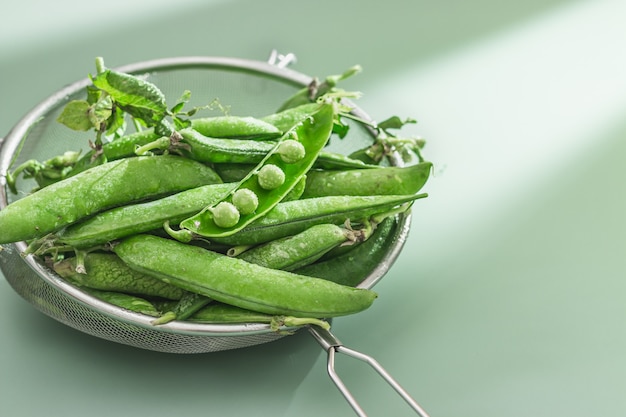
332	346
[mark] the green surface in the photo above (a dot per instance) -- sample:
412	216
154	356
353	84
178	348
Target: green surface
508	297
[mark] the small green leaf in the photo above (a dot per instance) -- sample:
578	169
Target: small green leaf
75	115
116	125
177	108
181	123
101	111
332	80
340	129
93	94
394	122
180	103
140	98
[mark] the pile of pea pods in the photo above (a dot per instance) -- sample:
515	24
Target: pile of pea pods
218	219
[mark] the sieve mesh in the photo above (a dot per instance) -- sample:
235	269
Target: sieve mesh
246	88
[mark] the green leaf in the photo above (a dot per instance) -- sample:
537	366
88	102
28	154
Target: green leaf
75	115
138	97
394	122
93	94
101	111
332	80
340	129
181	123
180	103
116	125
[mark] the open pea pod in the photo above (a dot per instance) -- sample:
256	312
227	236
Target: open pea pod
271	180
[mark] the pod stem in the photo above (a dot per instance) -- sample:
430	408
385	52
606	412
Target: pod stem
165	318
290	321
238	250
100	67
161	144
182	235
30	166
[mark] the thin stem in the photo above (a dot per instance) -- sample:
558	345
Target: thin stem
100	68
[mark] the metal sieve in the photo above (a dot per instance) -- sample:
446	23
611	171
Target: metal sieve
246	87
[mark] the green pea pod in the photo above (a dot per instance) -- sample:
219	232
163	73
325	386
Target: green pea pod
107	272
269	189
189	304
334	160
101	187
388	180
235	127
220	313
70	164
297	190
326	160
353	266
141	217
291	217
240	283
225	313
285	120
233	172
121	147
292	252
216	150
126	301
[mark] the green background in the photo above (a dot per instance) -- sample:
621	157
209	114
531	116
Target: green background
508	297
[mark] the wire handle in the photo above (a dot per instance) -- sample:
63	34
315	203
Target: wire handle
332	346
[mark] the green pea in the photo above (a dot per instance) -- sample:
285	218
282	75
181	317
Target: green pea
291	217
140	217
225	214
291	151
313	133
270	177
245	200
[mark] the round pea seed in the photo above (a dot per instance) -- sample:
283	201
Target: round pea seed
245	200
270	177
291	151
225	214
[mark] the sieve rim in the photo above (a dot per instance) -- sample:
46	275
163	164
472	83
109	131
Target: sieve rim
283	74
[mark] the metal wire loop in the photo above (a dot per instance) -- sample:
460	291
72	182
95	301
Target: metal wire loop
333	346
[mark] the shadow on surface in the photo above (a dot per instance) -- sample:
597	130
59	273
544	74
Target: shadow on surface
57	362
